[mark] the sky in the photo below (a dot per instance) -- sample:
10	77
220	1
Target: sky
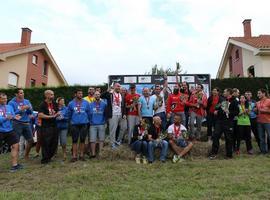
91	39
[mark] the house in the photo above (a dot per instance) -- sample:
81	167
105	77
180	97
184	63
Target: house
247	56
27	64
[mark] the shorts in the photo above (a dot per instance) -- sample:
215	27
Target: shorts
79	131
23	130
63	136
182	143
10	138
97	130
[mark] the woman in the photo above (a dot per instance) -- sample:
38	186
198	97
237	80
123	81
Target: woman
62	125
243	125
139	141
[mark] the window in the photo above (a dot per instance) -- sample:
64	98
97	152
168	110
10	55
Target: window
35	59
45	68
33	82
251	72
13	79
237	54
230	65
43	84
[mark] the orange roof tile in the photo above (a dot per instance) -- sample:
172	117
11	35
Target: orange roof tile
6	47
260	42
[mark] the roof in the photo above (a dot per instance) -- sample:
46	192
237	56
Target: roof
6	47
12	49
260	42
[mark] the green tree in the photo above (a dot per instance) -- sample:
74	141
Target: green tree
156	70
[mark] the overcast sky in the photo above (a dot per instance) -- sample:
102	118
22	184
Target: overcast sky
91	39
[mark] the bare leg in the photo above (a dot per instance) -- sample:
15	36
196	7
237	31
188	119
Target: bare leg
28	149
14	154
93	148
82	149
64	149
74	150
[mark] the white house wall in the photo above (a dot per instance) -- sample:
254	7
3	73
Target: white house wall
249	59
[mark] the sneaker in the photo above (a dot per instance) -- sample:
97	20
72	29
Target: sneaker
175	158
114	147
144	160
212	157
118	143
137	160
16	168
74	160
81	158
250	152
36	156
181	160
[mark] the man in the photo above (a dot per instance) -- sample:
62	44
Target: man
78	113
97	124
7	133
212	101
90	98
225	112
197	104
235	94
185	90
48	111
177	140
176	105
263	119
132	100
115	111
22	127
146	105
156	140
159	107
253	116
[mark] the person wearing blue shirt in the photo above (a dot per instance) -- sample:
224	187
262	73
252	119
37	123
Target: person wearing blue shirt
7	133
97	123
62	125
78	113
22	127
146	105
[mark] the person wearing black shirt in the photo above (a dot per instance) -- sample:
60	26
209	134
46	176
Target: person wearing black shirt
156	140
48	111
225	112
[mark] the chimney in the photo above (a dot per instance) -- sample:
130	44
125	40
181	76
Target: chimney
26	36
247	28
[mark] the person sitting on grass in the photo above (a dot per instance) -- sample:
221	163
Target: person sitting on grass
157	140
139	141
7	133
177	140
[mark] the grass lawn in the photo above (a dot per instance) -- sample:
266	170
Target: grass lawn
244	177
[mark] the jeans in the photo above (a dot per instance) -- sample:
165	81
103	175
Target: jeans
262	129
163	118
113	124
133	120
152	145
140	147
97	131
63	136
198	118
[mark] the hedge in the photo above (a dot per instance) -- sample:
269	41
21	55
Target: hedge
243	84
35	95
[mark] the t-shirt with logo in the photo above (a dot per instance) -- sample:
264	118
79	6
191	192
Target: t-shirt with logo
116	103
132	99
160	102
5	123
147	106
176	131
97	113
78	112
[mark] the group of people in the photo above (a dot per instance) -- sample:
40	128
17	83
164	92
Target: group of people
156	119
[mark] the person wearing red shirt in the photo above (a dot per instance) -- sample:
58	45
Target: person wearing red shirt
132	100
197	103
212	101
263	118
176	105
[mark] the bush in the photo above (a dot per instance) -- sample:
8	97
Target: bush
35	95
